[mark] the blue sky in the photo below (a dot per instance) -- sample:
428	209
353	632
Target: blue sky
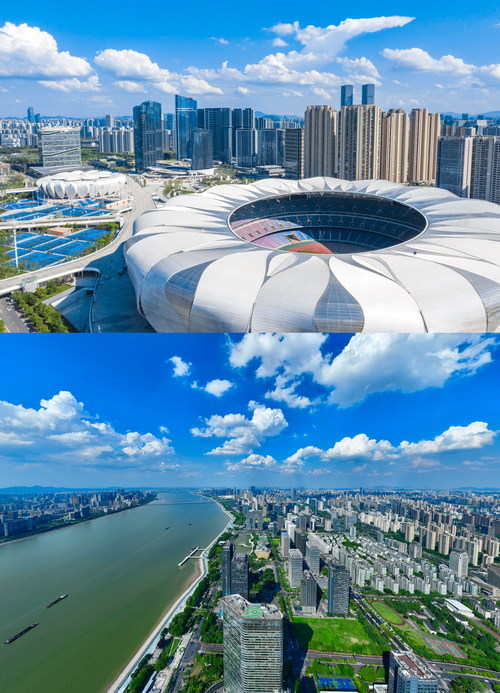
418	411
91	60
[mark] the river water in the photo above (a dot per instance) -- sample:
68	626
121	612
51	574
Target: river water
121	575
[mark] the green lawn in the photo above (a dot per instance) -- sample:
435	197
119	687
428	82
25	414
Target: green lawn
387	612
334	635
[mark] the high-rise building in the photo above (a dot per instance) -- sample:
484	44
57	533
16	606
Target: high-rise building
253	647
271	147
31	114
218	122
409	674
202	155
294	153
61	147
338	589
320	141
458	563
246	150
110	121
395	130
424	133
300	541
147	134
285	544
312	557
494	575
308	592
226	559
241	119
346	95
359	142
239	575
186	120
454	165
485	177
368	94
295	561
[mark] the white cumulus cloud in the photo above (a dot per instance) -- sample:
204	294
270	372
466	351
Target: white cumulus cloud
181	368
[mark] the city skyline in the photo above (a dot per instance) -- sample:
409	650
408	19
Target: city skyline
412	411
77	66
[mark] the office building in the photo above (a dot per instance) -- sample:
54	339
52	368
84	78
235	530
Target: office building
346	95
246	149
295	561
300	541
226	559
395	132
31	114
253	647
271	147
241	119
202	154
147	134
338	590
218	122
294	153
308	593
285	544
312	557
60	147
494	575
454	165
186	120
239	575
320	141
368	94
422	154
409	674
485	174
458	562
359	142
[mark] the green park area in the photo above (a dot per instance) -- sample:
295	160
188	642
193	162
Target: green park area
387	612
335	635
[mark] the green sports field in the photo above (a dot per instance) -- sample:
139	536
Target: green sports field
334	635
387	612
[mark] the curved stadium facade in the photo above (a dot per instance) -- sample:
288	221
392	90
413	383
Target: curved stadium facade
320	254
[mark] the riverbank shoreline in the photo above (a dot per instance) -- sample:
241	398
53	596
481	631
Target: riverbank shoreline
75	524
149	644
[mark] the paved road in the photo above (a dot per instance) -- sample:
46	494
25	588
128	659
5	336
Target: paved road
13	323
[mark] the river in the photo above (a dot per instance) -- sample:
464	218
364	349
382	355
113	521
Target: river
121	575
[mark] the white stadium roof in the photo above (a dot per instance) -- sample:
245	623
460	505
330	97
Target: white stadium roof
79	184
192	273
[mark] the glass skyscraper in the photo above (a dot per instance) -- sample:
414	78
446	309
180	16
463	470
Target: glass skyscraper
368	94
346	95
338	590
253	646
186	120
148	133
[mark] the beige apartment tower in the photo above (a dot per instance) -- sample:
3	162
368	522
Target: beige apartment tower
424	133
360	142
395	133
320	141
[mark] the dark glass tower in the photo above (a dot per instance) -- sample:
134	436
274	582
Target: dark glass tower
186	120
346	95
338	590
227	557
239	575
218	122
202	157
368	94
147	134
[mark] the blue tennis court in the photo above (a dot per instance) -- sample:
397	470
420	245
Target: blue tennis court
73	248
20	253
91	235
334	683
36	260
52	243
32	242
